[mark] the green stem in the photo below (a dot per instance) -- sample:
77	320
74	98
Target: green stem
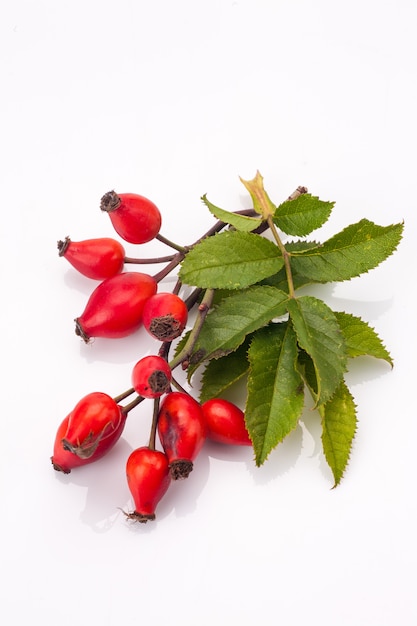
123	395
285	256
203	309
132	404
152	436
170	243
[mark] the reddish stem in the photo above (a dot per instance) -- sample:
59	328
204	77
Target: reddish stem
159	259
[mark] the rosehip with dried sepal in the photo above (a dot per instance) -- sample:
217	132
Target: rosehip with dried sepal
225	422
95	258
182	431
94	419
64	460
151	376
165	316
115	307
135	218
148	479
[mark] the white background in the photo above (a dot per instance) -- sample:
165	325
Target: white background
173	100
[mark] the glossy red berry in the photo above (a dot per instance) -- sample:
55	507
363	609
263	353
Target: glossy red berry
135	218
165	316
151	376
148	479
115	307
94	258
225	422
64	461
94	419
182	431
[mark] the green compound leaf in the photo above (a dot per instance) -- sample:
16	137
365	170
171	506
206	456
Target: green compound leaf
221	374
240	222
275	388
339	426
360	338
306	368
279	280
303	215
357	249
235	317
230	260
319	334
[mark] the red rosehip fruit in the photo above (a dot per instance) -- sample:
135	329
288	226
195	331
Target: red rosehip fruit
165	316
90	449
148	479
182	431
95	258
115	307
135	218
94	418
151	376
225	422
63	460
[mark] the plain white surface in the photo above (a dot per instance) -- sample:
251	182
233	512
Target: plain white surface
174	100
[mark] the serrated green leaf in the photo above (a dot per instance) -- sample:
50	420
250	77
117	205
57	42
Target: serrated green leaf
230	260
235	317
305	366
357	249
220	374
275	389
338	417
300	245
279	280
360	338
243	223
318	333
303	215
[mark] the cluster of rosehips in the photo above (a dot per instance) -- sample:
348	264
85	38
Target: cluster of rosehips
121	303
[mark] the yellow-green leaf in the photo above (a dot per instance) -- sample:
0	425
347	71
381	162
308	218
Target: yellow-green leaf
338	417
244	223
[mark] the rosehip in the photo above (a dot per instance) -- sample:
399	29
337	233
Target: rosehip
225	422
93	419
115	307
94	258
148	479
135	218
64	460
182	431
151	376
165	316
